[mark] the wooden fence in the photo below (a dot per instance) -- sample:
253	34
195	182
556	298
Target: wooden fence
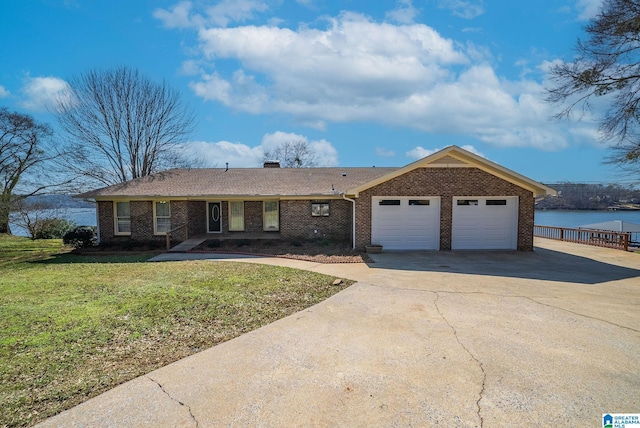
600	238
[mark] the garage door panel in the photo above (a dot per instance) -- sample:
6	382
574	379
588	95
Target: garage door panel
405	226
484	223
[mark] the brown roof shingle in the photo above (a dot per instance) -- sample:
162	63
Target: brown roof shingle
243	182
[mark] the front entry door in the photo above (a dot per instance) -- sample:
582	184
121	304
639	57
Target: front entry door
214	217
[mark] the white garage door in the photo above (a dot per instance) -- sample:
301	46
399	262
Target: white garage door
485	223
406	223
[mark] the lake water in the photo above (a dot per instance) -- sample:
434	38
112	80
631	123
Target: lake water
87	217
81	216
580	218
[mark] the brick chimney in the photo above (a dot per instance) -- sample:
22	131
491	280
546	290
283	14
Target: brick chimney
271	164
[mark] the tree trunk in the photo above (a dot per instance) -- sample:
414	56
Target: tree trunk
4	219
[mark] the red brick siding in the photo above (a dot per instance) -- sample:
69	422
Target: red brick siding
447	183
142	220
197	211
253	216
106	224
179	216
296	221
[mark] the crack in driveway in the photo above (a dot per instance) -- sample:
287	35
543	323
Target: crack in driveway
516	296
455	334
173	399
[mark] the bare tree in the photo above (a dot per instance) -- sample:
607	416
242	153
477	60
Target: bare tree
292	154
121	125
25	150
607	67
41	218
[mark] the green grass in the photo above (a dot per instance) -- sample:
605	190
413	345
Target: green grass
74	326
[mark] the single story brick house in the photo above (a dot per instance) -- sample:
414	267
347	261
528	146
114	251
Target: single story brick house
450	200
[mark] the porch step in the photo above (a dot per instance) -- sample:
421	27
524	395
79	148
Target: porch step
187	245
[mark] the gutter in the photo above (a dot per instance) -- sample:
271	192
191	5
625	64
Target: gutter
353	233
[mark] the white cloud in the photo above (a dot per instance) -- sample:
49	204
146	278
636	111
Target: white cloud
227	11
43	93
239	155
182	14
3	92
420	152
177	17
463	9
217	154
588	9
355	69
405	13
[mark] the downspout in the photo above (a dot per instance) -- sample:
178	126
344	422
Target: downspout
353	233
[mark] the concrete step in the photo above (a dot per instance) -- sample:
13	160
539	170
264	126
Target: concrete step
187	245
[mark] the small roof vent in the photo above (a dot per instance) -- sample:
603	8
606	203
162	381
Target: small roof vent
271	164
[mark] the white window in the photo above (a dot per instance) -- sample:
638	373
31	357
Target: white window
320	209
122	218
162	217
236	216
270	216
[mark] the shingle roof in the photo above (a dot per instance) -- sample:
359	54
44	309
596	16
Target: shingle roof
243	182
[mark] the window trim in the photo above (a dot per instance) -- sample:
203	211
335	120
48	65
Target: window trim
320	205
156	217
231	227
116	229
264	216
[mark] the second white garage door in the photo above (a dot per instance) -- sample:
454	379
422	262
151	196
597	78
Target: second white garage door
485	223
406	223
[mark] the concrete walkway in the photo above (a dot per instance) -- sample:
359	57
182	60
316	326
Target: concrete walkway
549	338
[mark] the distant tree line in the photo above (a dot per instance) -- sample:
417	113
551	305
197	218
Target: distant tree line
579	196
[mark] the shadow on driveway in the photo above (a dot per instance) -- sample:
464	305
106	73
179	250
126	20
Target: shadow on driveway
541	264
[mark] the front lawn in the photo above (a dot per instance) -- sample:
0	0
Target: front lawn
73	326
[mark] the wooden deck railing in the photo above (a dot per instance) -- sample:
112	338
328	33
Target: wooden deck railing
168	235
600	238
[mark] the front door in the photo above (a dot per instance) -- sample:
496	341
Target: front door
214	217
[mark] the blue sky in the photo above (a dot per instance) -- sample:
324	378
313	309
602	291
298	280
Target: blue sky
365	83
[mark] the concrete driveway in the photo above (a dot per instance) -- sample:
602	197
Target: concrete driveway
549	338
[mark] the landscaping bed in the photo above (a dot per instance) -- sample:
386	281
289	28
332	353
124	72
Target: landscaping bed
319	251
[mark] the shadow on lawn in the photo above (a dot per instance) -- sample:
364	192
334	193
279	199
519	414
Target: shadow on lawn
122	257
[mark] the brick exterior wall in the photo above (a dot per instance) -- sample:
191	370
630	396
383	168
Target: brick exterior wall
197	217
447	183
105	221
142	220
252	216
179	216
296	221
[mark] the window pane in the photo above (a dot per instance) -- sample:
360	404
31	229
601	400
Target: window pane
271	215
467	202
496	202
162	209
122	209
419	202
124	226
236	221
389	202
163	225
320	209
